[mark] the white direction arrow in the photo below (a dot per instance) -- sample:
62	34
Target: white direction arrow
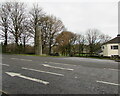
25	77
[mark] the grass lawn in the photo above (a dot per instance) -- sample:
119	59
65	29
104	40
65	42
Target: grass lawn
81	55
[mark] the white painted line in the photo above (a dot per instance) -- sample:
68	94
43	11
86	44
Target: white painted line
21	59
3	92
46	65
112	69
76	77
25	77
4	64
108	83
62	63
13	58
43	71
25	59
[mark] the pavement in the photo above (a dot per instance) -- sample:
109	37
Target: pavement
58	75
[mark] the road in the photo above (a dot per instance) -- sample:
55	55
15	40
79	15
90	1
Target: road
58	75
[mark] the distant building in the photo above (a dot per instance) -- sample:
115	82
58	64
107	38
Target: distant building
112	47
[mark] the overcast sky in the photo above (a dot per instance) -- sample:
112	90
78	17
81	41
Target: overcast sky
80	15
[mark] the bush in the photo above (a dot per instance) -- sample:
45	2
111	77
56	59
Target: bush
115	57
54	54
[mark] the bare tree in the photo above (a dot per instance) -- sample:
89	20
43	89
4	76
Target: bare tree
26	33
44	25
81	43
17	20
93	38
36	14
104	38
4	21
50	28
54	27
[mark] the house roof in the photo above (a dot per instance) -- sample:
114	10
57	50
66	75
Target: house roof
114	40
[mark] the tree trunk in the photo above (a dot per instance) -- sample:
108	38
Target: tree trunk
24	43
16	44
69	50
79	50
91	50
50	47
5	37
5	40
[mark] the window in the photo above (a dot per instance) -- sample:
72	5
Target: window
103	47
114	47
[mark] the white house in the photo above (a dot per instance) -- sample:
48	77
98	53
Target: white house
111	47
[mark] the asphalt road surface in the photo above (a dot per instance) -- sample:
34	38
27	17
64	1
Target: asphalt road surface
58	75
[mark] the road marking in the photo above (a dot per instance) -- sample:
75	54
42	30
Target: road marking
46	65
43	71
62	63
4	64
3	92
25	77
108	83
25	59
76	77
21	59
14	58
112	69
